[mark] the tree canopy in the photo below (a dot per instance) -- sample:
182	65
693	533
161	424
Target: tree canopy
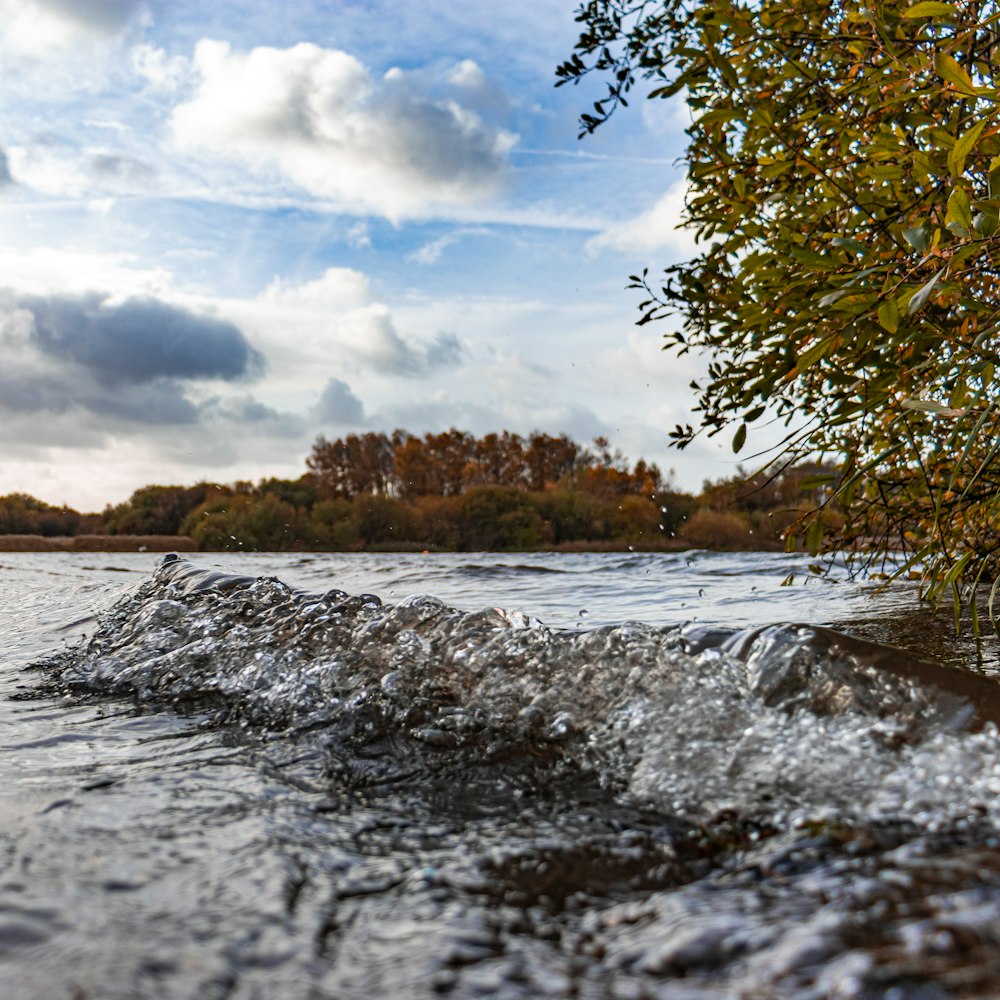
843	166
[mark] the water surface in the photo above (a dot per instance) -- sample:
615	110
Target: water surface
601	775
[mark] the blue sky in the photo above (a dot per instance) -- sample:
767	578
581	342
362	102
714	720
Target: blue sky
228	227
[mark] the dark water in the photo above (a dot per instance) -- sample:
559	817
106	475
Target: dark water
291	779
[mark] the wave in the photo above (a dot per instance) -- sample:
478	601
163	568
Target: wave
789	722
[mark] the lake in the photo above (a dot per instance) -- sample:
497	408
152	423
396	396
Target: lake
615	775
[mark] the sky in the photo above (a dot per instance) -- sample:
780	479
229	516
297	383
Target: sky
227	228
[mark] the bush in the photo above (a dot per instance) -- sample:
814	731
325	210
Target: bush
710	529
246	522
500	517
332	525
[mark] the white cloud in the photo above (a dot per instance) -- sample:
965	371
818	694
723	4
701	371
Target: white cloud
40	28
56	167
467	73
388	148
160	71
359	236
338	326
654	229
44	270
430	253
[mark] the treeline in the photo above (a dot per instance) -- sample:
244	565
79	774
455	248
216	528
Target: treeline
449	491
454	462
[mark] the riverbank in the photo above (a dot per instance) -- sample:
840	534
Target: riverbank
182	543
97	543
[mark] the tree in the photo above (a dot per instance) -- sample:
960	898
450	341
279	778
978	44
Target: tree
844	184
352	466
247	522
155	510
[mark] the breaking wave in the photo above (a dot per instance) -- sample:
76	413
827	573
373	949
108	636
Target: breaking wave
787	721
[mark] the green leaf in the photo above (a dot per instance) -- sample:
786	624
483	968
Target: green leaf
828	300
930	8
851	244
916	237
959	216
953	73
739	437
814	537
808	358
962	148
888	315
933	407
923	293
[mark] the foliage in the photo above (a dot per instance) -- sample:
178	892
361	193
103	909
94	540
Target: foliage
21	514
155	510
501	517
844	184
449	463
711	529
597	503
331	526
247	522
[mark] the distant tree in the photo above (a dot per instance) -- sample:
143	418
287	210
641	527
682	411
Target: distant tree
498	461
501	517
549	458
575	515
247	522
352	466
301	492
23	514
155	510
384	520
333	526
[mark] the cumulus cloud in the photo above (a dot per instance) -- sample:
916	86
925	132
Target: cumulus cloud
37	28
252	416
138	340
387	147
94	15
467	73
336	320
657	228
5	175
338	405
358	236
120	367
27	389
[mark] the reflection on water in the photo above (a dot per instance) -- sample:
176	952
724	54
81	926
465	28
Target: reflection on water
235	788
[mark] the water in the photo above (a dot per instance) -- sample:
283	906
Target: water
610	775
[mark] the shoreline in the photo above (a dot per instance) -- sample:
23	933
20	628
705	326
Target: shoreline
182	543
97	543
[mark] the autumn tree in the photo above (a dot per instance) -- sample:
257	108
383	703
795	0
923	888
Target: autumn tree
843	166
355	465
437	464
549	458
